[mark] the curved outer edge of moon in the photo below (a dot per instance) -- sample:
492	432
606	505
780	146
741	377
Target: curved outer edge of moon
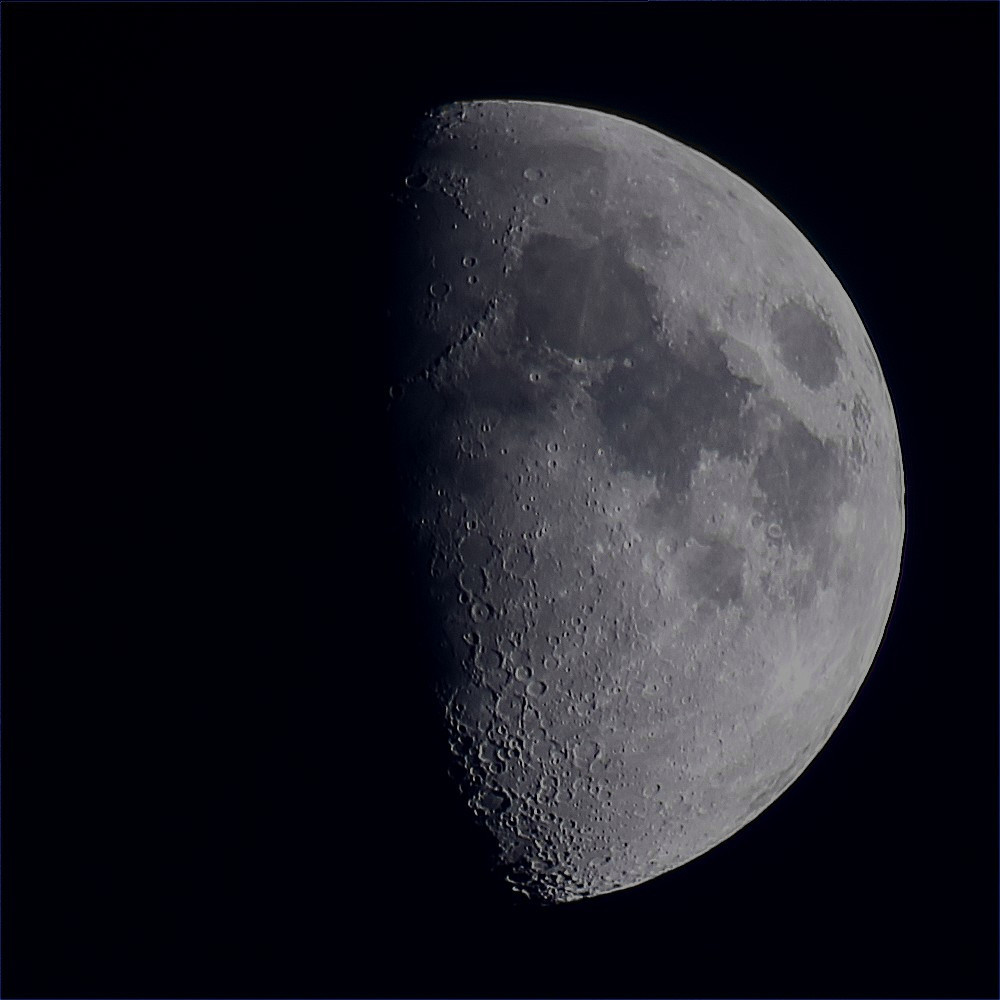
654	481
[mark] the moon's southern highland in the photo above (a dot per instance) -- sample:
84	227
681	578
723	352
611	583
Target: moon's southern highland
652	482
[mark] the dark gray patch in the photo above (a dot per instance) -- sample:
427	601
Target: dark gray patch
670	403
803	484
476	551
807	344
474	478
520	385
584	301
717	573
802	481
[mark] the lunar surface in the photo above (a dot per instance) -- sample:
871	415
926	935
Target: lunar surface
652	482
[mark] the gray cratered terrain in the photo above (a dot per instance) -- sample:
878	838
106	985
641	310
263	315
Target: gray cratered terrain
653	486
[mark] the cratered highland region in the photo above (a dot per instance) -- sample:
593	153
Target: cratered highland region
651	479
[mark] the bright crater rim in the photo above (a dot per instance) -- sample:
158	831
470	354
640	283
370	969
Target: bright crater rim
653	486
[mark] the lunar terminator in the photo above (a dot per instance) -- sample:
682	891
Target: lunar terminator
652	481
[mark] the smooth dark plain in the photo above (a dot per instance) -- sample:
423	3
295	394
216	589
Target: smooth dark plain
653	487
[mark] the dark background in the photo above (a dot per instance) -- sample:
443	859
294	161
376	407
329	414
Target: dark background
218	775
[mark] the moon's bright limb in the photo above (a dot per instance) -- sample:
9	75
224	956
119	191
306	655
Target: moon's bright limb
654	485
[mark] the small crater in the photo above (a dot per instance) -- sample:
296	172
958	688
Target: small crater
673	402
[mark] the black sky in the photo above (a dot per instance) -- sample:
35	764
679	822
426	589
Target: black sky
218	779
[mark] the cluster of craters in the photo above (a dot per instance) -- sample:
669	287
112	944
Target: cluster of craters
652	486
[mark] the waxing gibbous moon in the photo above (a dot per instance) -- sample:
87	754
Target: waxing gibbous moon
651	479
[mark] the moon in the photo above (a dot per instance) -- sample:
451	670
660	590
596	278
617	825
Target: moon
651	482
